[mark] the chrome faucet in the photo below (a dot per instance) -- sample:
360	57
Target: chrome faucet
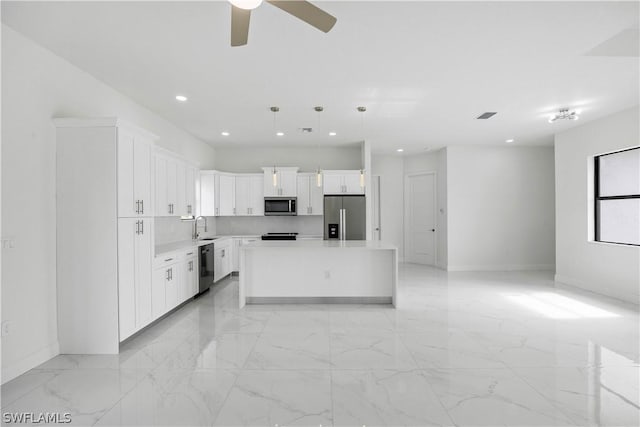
195	227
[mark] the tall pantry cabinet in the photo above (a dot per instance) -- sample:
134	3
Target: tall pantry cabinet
105	228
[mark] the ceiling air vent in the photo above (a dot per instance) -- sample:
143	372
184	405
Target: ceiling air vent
487	115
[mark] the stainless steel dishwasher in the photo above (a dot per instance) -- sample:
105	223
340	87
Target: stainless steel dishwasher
206	267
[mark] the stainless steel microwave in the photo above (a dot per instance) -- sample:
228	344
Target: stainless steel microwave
280	206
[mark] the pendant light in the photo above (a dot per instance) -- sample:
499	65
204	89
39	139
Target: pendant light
318	109
362	110
275	111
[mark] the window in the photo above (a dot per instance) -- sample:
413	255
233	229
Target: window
617	197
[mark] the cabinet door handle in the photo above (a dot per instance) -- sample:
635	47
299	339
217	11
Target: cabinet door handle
217	211
137	206
190	253
137	227
141	227
171	274
142	206
168	259
223	253
168	275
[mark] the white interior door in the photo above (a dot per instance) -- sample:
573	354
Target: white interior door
420	219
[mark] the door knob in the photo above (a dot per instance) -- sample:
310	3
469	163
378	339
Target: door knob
433	229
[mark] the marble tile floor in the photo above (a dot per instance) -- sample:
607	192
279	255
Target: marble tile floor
463	349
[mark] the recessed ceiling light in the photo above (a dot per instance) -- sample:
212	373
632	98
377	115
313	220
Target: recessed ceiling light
280	133
509	141
332	134
181	98
225	133
400	150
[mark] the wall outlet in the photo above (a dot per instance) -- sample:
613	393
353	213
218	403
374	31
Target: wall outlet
327	274
7	326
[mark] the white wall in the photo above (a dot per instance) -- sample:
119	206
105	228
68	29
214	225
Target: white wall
37	86
252	159
500	208
392	170
607	269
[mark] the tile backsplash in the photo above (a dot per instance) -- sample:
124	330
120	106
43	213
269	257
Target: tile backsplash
257	225
171	229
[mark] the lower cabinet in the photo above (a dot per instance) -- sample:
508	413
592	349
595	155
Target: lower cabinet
222	259
161	282
238	242
235	254
190	285
175	280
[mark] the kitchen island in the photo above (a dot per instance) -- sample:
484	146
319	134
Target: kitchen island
318	271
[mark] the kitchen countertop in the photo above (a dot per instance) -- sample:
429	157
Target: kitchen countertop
186	244
182	244
314	244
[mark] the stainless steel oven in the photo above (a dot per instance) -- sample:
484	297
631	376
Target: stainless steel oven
280	206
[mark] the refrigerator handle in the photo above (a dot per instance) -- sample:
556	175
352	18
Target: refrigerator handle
343	227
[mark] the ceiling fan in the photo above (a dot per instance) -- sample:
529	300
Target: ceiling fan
301	9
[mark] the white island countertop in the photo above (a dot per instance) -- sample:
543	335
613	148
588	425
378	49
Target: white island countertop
338	244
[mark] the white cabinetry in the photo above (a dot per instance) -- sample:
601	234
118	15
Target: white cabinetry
249	195
222	262
175	185
135	254
341	182
190	191
190	282
226	195
286	182
166	185
238	242
310	196
175	280
103	262
134	174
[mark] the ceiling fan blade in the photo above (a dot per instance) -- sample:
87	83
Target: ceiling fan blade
239	26
307	12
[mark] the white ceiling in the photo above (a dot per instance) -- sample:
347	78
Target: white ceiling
424	70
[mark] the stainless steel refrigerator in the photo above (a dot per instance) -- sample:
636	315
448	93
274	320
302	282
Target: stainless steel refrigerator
344	217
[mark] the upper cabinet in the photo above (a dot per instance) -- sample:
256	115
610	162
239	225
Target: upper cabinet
190	192
134	151
310	197
226	200
217	193
208	205
175	185
342	182
249	195
284	184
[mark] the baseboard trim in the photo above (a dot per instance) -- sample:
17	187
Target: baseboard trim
508	267
319	300
23	365
573	283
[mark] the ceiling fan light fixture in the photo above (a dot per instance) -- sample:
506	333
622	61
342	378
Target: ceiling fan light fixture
246	4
